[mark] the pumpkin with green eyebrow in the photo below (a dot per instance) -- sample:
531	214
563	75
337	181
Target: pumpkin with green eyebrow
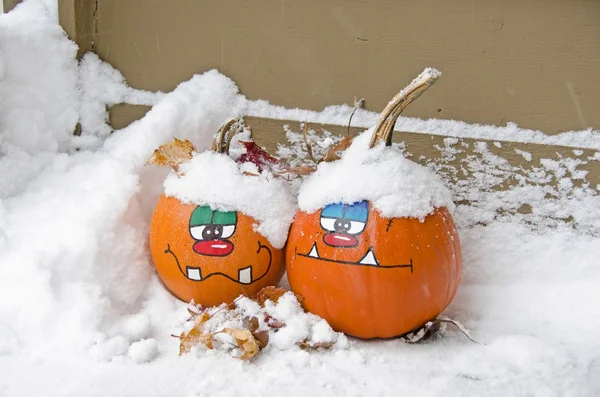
208	255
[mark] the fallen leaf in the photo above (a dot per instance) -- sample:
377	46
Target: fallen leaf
270	293
342	145
314	346
262	337
300	170
194	337
245	341
272	322
172	154
259	157
250	323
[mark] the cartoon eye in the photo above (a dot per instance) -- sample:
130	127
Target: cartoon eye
198	232
356	227
228	231
328	224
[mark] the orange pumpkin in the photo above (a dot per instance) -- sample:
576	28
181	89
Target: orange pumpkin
371	276
210	256
201	253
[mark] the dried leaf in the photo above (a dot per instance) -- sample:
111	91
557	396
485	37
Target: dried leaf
306	345
194	337
273	322
172	154
423	334
262	337
245	341
359	103
331	154
201	318
433	328
270	293
300	170
250	323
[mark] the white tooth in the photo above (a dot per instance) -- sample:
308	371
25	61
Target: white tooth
194	274
313	252
369	259
245	275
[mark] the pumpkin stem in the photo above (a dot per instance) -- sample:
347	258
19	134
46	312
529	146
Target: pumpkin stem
222	138
387	119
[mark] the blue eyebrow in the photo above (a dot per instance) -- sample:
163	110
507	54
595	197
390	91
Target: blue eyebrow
333	211
357	211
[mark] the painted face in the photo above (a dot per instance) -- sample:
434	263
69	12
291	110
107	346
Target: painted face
371	276
208	255
343	239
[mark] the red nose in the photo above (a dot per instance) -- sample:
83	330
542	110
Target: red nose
340	240
213	247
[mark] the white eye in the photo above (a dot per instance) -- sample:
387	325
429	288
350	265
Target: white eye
196	232
356	227
328	224
228	231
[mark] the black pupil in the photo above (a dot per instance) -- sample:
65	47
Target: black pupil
341	225
212	232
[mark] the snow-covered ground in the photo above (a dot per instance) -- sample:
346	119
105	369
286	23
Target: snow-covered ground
82	312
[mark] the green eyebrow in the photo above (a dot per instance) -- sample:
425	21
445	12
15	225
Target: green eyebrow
201	216
204	215
224	218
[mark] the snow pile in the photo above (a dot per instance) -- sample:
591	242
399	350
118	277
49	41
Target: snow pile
38	80
217	180
286	323
397	187
102	86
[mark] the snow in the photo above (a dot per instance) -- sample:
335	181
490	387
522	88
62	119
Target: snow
396	186
210	178
82	311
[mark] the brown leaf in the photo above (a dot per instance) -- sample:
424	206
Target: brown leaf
273	322
194	337
245	341
331	154
270	293
262	337
306	345
250	323
300	170
172	154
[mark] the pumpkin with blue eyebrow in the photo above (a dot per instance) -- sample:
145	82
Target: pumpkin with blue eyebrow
369	275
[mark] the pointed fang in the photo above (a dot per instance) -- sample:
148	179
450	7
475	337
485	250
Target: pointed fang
369	259
313	252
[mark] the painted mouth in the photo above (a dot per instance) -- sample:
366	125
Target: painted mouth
368	259
244	276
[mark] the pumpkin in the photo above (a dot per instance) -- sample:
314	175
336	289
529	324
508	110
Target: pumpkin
370	275
209	255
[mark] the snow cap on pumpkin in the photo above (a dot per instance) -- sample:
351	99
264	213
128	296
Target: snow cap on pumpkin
218	181
396	186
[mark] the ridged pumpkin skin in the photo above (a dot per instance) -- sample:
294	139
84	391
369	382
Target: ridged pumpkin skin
410	279
184	250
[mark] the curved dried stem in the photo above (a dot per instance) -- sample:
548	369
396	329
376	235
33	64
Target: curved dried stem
222	138
387	120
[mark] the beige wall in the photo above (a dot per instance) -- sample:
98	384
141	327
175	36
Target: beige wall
534	62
